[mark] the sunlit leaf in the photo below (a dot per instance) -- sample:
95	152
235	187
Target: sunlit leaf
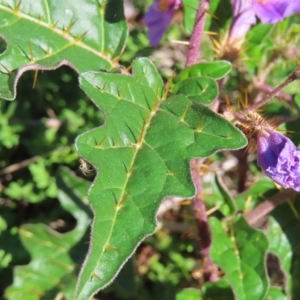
86	35
142	154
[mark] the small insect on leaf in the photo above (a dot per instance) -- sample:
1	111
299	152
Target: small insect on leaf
85	167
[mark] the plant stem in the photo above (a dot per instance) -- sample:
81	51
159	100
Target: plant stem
194	45
210	270
292	77
255	215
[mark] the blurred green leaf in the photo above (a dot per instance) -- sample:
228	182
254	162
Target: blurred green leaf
220	15
285	242
5	259
55	257
241	254
220	197
189	294
276	294
279	245
18	190
189	14
255	194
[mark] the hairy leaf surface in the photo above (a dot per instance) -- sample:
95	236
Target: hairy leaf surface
142	154
241	254
85	34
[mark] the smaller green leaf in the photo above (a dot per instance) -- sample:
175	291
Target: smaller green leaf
241	253
279	245
220	197
5	259
256	194
189	14
215	70
204	88
189	294
287	244
220	17
146	74
276	294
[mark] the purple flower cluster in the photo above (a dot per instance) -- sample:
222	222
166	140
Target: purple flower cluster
273	11
268	11
159	17
161	12
279	158
243	19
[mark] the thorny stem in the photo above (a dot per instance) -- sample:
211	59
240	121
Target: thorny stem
292	77
262	87
194	45
254	216
210	270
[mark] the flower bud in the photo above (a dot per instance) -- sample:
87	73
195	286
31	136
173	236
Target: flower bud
273	11
279	158
159	17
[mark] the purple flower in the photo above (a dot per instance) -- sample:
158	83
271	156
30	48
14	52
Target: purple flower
272	11
159	17
244	16
243	19
279	158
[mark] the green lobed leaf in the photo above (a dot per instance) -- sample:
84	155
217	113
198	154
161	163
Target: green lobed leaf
204	88
84	34
279	245
241	254
215	70
54	257
142	154
285	242
189	294
276	294
255	194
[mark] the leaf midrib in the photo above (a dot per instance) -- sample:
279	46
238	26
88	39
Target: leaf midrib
152	114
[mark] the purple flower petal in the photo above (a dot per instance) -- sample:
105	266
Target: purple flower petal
243	19
272	11
159	17
279	158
